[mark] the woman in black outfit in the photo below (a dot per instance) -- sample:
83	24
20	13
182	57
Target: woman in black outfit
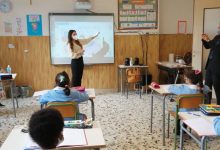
77	64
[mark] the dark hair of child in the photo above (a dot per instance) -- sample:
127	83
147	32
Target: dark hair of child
45	128
62	80
196	77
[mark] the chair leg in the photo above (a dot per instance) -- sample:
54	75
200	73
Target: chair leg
16	98
140	89
168	126
175	134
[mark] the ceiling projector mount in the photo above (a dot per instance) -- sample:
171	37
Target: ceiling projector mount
83	4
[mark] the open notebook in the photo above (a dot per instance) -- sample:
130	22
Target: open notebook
72	137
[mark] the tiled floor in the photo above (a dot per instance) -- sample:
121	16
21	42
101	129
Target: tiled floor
125	122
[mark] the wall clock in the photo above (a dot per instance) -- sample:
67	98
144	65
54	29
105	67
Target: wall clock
5	6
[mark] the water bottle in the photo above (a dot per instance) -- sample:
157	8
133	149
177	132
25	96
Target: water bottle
8	69
131	62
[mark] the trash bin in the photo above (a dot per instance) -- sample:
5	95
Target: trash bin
26	91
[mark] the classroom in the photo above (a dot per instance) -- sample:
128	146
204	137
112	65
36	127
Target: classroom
139	74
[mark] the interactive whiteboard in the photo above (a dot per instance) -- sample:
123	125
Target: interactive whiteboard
98	51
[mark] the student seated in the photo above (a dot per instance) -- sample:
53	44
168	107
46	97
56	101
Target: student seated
62	92
46	127
193	83
217	125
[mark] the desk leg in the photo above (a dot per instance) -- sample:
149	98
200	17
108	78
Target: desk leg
164	120
151	111
92	108
121	74
203	143
181	135
12	97
146	80
118	79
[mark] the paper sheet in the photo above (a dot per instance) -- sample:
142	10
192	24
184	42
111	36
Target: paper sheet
39	93
201	126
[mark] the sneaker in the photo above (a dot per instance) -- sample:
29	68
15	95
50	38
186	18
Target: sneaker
1	105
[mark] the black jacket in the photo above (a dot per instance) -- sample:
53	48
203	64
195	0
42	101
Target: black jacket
214	46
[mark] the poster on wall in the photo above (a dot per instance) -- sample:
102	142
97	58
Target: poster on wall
8	27
34	25
138	14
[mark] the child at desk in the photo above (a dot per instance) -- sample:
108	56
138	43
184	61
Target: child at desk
217	125
46	127
193	83
62	92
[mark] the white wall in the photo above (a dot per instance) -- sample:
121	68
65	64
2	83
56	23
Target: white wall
173	10
169	12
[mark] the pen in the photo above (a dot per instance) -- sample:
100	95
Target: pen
194	114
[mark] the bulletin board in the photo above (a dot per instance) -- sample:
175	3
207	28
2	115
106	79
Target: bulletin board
137	14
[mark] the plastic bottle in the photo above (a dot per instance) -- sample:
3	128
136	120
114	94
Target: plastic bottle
131	62
8	69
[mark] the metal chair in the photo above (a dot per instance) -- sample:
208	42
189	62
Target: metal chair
186	101
133	76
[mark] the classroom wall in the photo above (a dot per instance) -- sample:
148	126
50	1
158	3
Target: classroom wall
34	68
170	11
173	10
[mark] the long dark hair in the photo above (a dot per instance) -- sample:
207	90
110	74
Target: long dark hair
62	80
71	40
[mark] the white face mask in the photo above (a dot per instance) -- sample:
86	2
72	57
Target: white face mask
60	140
75	37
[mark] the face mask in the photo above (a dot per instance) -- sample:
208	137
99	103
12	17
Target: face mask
60	140
75	37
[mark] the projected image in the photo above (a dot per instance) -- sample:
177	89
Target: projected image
99	50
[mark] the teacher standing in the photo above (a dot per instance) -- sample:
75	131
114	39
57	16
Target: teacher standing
77	64
212	77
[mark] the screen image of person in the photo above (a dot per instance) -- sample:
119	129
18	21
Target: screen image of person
212	77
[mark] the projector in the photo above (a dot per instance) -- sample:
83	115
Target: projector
83	4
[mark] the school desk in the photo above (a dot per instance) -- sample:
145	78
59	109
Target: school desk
162	91
121	72
90	92
173	70
12	87
16	140
201	124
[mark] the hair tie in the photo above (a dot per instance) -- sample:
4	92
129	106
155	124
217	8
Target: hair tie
62	78
197	72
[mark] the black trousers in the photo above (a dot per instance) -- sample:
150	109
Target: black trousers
212	79
77	66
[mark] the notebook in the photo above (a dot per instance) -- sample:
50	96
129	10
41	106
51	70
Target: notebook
72	137
210	109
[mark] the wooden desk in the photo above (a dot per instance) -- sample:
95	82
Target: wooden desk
12	85
16	139
90	92
172	69
164	93
202	139
121	70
